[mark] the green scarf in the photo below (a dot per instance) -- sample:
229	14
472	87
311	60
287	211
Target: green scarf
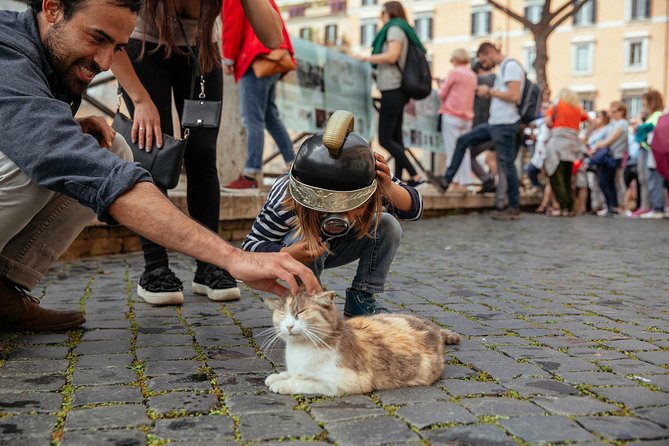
380	38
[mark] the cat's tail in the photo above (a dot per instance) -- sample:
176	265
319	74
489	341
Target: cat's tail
449	336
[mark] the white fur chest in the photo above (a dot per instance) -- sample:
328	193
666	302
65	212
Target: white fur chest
306	361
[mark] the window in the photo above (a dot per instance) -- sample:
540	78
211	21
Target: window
306	33
636	54
533	9
337	6
481	21
587	104
582	55
368	2
634	104
638	9
529	54
331	34
585	15
367	33
296	11
424	28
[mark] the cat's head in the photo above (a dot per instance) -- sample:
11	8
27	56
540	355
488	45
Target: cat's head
306	318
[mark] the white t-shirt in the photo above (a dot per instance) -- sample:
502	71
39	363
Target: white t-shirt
503	112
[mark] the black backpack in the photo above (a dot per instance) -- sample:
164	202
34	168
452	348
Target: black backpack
530	100
416	76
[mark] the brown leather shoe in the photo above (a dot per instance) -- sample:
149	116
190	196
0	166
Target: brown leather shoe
21	311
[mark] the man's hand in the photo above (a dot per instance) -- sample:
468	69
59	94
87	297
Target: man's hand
483	91
262	270
300	252
98	127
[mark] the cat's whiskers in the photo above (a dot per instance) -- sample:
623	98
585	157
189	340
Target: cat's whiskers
315	338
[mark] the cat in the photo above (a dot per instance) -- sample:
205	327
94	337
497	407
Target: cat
328	355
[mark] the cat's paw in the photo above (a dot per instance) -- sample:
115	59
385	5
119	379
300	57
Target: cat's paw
274	377
283	387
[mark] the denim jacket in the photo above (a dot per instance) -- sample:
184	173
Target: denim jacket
38	131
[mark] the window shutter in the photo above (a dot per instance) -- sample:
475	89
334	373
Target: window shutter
473	23
647	11
593	15
488	22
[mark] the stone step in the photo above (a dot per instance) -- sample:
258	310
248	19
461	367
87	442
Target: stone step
239	210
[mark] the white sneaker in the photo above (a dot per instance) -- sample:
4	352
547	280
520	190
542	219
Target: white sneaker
653	214
160	287
603	212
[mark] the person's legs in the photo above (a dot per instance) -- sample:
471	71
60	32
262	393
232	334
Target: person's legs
533	174
203	193
561	188
642	178
478	135
505	147
477	169
36	227
656	190
391	115
253	95
375	255
275	126
608	187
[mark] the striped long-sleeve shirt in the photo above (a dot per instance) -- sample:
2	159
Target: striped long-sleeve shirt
274	222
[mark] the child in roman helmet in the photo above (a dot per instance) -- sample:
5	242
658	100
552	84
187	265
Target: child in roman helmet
338	204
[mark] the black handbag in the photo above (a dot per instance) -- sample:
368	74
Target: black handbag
163	164
198	113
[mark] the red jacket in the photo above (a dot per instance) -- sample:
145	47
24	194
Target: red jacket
240	44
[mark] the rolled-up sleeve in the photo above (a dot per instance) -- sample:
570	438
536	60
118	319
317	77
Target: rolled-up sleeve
39	134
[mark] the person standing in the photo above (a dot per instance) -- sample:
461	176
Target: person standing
457	109
389	53
257	91
502	127
616	140
653	106
564	119
157	62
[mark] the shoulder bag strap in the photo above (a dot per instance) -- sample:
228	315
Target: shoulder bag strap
196	65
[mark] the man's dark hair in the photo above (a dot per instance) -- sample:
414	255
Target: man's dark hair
485	47
72	6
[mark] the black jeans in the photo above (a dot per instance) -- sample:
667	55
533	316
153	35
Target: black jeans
163	77
561	184
607	183
391	114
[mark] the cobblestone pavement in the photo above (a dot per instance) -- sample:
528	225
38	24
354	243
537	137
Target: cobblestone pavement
566	327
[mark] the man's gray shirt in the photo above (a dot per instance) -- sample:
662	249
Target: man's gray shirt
38	131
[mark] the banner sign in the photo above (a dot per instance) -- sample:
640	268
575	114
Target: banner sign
325	81
420	125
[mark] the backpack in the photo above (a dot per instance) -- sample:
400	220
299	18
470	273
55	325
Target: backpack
530	99
416	76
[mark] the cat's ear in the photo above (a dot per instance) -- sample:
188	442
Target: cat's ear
275	302
325	299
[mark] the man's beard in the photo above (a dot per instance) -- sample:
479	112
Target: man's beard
64	62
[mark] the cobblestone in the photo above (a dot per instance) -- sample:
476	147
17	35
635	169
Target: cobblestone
565	340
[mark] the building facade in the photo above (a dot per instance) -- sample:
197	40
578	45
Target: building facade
612	49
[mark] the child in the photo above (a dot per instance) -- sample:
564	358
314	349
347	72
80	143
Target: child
329	211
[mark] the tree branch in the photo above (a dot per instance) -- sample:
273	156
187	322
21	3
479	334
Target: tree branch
510	13
577	5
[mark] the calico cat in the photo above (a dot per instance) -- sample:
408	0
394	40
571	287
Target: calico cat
328	355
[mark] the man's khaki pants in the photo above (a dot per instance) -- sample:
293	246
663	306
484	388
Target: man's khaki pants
36	224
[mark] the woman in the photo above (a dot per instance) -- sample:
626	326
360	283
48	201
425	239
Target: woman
329	212
616	141
155	64
389	50
457	110
597	132
564	120
650	180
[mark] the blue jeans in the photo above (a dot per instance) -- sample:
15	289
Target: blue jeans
607	183
504	136
656	190
375	254
259	112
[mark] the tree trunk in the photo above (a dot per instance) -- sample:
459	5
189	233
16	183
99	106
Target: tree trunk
541	60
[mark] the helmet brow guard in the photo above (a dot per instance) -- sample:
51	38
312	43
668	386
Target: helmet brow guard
335	170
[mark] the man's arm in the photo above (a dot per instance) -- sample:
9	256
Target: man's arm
511	95
146	211
265	21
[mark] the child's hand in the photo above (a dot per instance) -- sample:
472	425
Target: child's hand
383	172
